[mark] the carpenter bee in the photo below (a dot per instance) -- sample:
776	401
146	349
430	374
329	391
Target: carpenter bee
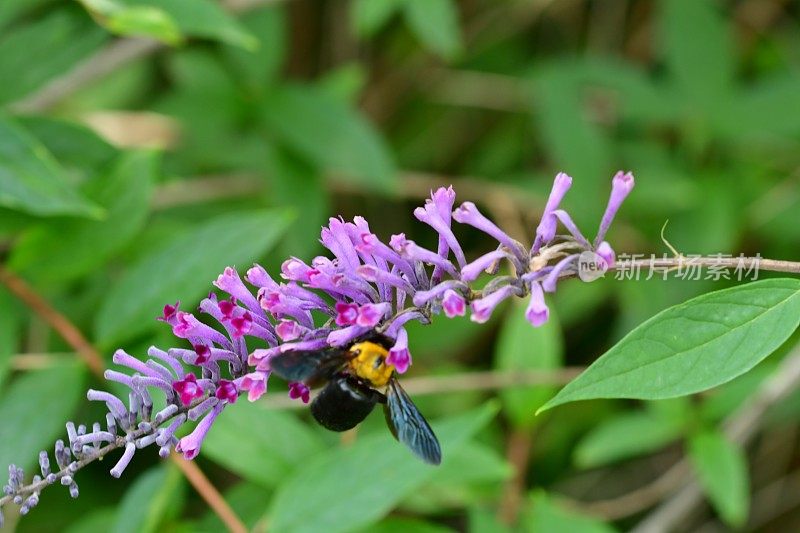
352	375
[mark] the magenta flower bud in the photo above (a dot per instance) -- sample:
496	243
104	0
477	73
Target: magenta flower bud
482	308
369	315
189	445
299	390
399	356
255	384
169	313
346	313
188	389
606	253
453	304
203	354
621	185
548	224
537	312
227	391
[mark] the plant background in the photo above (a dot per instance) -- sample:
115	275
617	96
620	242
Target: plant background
145	145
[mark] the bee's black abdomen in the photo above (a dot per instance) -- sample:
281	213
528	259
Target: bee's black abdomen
343	403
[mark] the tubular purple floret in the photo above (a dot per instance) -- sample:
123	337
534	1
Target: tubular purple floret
469	214
550	281
566	220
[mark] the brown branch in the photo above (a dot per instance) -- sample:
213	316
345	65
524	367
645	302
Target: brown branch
94	361
518	453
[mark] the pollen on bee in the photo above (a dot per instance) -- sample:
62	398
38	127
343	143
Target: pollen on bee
369	363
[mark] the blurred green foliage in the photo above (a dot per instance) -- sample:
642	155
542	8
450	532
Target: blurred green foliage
145	145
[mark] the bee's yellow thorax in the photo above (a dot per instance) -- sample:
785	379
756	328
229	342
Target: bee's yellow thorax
369	363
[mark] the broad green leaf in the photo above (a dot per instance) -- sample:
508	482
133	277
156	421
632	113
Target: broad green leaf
521	347
698	50
74	146
435	23
721	467
375	474
9	333
258	68
405	525
369	16
37	52
31	180
184	269
546	515
276	442
34	409
693	346
95	522
485	520
473	471
72	248
170	21
627	435
9	9
765	111
331	134
247	500
154	495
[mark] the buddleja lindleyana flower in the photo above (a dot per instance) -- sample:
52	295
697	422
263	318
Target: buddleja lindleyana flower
364	284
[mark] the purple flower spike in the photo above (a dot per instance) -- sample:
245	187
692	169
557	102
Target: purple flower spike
547	226
289	330
299	390
482	309
399	356
242	324
369	315
469	214
606	253
227	391
621	185
188	389
346	314
453	304
537	312
203	354
255	384
189	445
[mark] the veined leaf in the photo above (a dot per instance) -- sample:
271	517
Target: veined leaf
31	180
721	467
693	346
375	474
184	269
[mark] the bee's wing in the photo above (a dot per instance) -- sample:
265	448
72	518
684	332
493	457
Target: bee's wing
409	426
310	367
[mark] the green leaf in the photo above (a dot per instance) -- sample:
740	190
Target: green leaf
74	146
546	515
276	442
246	499
435	23
330	134
170	21
521	346
34	409
184	269
625	436
9	333
95	522
73	248
375	473
405	525
369	16
693	346
699	51
721	467
258	68
155	494
37	52
31	180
